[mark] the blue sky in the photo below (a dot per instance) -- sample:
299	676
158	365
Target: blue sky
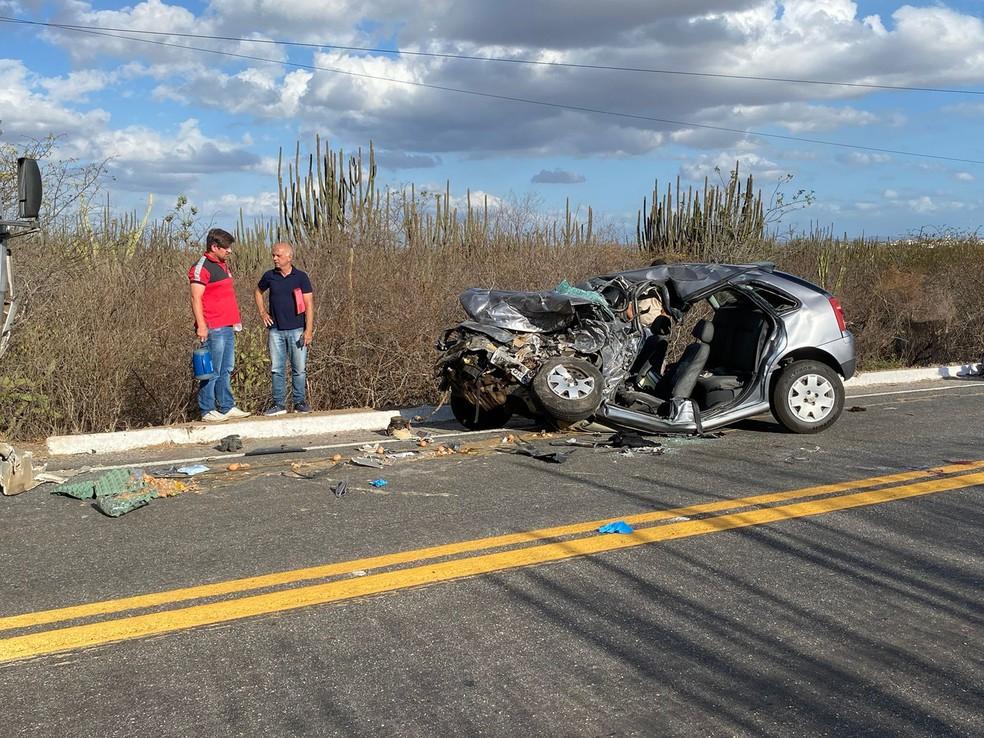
176	121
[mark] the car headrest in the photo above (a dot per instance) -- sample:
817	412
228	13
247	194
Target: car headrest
704	331
661	326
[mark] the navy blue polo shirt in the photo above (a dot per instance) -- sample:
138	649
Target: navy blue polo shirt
283	306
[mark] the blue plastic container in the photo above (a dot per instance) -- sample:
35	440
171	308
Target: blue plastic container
201	361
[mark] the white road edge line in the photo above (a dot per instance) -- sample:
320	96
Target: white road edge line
222	457
908	392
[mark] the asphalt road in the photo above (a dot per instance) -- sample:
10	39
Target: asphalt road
774	585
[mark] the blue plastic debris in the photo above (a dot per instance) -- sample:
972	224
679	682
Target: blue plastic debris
619	526
377	483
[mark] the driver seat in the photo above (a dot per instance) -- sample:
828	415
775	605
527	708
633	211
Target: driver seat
686	372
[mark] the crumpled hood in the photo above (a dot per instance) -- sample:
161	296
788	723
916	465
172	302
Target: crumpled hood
526	312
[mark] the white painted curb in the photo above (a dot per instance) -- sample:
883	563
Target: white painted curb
900	376
278	427
340	421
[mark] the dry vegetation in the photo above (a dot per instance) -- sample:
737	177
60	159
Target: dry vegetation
105	339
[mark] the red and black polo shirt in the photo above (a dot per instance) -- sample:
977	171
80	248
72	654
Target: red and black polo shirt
219	301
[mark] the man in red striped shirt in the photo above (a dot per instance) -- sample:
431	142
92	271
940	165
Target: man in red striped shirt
213	302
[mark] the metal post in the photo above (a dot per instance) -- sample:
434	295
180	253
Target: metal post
8	301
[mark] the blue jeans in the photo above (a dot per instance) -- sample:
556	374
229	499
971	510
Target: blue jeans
282	344
216	393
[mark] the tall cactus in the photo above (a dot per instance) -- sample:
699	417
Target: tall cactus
724	222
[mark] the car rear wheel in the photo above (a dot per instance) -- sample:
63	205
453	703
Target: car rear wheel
476	418
808	397
569	389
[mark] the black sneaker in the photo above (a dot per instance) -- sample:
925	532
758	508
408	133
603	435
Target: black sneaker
302	408
275	410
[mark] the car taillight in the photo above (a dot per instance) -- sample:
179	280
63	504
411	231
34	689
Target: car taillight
839	313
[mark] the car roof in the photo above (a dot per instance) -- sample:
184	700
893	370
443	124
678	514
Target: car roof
687	280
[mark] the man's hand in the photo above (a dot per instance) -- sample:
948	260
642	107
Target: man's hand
202	332
307	338
267	320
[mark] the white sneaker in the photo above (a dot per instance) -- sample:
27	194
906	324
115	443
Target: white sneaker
235	412
214	416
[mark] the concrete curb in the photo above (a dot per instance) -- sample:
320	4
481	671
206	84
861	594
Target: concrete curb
899	376
339	421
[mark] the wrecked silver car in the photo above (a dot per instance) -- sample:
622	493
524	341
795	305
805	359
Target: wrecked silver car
770	341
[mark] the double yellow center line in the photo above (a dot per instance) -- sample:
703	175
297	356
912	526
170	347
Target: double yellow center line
447	563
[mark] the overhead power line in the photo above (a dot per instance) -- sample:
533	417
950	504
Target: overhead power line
502	60
528	101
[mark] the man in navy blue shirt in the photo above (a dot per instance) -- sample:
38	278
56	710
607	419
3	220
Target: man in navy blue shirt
291	323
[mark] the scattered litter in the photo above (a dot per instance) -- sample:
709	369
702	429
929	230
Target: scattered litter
371	448
237	467
16	471
378	483
340	489
371	461
192	470
576	442
402	454
336	458
525	448
166	472
119	491
642	450
423	442
78	490
121	504
857	409
297	471
399	428
50	478
281	449
619	526
631	439
169	487
230	443
359	573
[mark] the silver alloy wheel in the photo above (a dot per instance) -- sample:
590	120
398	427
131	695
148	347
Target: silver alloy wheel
811	398
570	383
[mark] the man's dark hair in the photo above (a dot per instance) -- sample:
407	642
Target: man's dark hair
219	237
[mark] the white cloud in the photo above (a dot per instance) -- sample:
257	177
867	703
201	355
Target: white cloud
723	163
865	158
890	195
807	39
964	177
263	204
76	86
923	204
27	111
557	176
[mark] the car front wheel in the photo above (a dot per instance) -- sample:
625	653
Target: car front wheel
807	397
568	388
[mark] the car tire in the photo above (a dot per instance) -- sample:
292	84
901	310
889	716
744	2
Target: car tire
568	389
475	418
807	397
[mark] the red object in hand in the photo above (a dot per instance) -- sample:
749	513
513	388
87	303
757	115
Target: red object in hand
299	301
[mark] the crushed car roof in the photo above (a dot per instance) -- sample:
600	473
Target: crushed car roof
683	280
